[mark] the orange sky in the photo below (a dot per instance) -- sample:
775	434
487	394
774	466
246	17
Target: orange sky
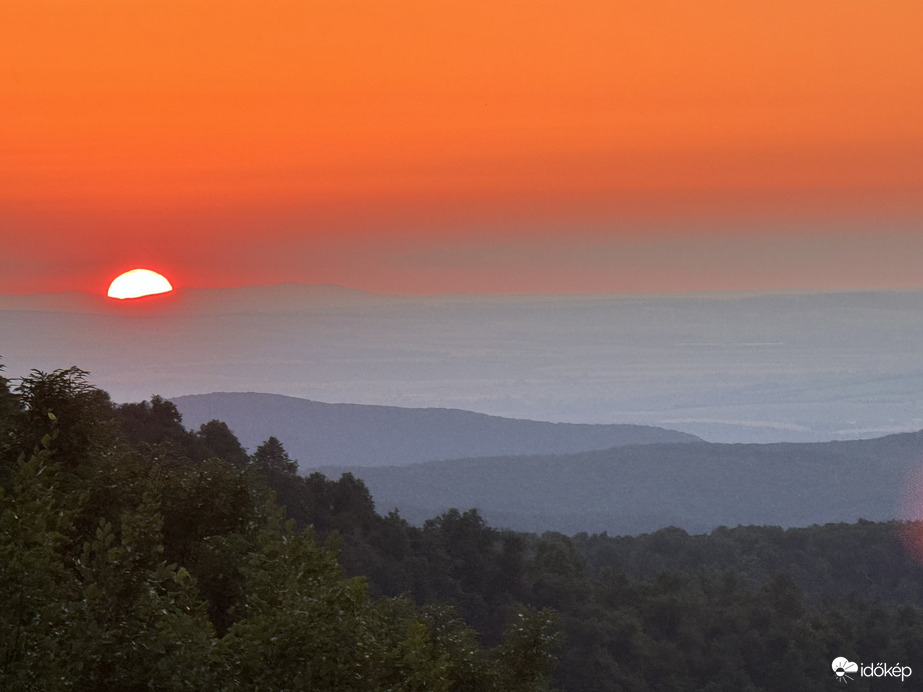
422	146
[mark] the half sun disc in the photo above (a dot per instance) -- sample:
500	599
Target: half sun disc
137	283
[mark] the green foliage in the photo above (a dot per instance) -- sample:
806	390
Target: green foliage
830	561
526	657
64	405
34	526
134	557
9	407
306	626
158	424
271	457
137	555
221	443
140	621
104	613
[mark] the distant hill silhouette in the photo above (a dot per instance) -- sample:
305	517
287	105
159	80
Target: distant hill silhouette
630	490
318	434
726	367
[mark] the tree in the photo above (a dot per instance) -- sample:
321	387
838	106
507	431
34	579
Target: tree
271	457
132	565
9	407
139	622
526	656
306	626
102	613
66	406
36	585
220	442
207	512
158	423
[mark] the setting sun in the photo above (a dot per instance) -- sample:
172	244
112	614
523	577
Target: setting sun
137	283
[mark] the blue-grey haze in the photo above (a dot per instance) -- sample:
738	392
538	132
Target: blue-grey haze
725	367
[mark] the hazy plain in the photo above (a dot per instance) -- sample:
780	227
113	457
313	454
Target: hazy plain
726	367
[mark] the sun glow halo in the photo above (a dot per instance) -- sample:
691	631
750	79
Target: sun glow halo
137	283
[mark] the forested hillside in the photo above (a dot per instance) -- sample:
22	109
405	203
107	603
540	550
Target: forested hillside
641	488
137	554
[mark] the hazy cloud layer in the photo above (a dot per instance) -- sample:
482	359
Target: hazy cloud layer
744	368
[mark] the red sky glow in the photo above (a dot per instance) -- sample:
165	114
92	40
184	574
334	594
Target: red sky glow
492	147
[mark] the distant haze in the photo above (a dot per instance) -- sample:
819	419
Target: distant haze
317	434
635	489
725	367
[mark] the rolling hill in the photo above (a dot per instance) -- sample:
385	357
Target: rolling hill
319	434
636	489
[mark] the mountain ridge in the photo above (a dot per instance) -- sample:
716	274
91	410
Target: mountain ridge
636	489
318	433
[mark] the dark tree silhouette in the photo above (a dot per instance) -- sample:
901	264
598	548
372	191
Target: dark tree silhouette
272	457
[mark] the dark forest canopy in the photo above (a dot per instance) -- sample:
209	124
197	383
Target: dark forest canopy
137	554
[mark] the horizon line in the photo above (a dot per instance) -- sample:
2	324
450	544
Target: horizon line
522	294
